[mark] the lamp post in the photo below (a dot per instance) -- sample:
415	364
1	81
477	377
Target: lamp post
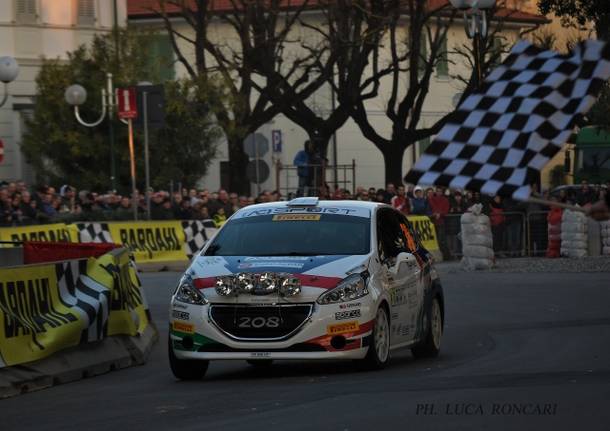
477	28
9	69
76	95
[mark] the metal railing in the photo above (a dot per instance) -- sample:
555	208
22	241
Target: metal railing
509	237
287	179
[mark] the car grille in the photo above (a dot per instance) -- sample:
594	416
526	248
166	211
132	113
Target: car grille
260	323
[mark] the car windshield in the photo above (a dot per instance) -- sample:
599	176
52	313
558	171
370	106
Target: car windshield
293	235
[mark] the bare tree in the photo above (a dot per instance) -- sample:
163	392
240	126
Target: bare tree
245	69
417	40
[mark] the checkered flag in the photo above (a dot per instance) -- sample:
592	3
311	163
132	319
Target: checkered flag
522	115
85	296
93	232
194	236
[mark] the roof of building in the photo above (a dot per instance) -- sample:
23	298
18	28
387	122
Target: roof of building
142	9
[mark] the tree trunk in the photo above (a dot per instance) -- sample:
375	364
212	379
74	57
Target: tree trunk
238	162
602	28
392	160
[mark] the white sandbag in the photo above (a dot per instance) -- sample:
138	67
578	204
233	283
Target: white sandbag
469	218
479	240
574	253
606	250
573	236
473	263
471	229
575	245
477	251
574	226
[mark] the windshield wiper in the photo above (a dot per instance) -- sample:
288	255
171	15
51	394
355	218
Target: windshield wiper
211	251
294	253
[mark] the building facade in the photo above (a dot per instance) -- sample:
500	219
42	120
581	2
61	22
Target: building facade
31	30
351	146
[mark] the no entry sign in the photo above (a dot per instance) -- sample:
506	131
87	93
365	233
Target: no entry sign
128	108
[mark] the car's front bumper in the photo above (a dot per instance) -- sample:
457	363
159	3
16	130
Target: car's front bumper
194	335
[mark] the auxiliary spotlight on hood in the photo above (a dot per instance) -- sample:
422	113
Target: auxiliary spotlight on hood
256	279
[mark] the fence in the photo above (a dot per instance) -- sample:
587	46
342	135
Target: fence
518	235
288	181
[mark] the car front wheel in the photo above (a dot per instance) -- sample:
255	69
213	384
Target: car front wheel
186	369
430	346
378	355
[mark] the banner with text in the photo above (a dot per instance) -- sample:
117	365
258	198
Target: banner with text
426	230
59	232
49	307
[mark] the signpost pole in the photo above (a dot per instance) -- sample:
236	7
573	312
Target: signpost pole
146	153
132	159
258	180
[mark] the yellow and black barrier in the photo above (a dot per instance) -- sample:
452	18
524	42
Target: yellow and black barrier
149	241
426	230
157	241
45	308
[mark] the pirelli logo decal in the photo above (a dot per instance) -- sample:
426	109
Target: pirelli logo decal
342	328
187	328
296	217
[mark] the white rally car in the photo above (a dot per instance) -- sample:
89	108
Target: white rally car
307	279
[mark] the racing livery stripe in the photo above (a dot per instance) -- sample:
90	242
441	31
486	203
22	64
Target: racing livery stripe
324	340
320	281
307	280
204	282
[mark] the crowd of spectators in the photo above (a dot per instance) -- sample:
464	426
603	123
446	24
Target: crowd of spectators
21	205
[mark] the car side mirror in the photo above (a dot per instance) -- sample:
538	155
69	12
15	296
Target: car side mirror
403	258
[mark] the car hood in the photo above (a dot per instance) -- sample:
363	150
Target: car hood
317	274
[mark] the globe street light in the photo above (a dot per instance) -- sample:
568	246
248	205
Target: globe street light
477	28
76	95
9	69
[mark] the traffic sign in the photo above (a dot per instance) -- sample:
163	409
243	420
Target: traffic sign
258	171
256	145
127	104
1	151
276	141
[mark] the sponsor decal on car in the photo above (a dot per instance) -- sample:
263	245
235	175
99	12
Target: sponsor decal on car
349	314
358	212
179	305
271	264
342	328
183	327
260	354
182	315
296	217
350	305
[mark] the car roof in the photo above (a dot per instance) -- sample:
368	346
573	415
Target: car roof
372	206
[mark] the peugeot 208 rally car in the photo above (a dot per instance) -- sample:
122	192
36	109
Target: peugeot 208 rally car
307	279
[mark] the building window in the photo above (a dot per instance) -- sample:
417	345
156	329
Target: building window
26	11
85	12
442	65
161	56
423	56
423	146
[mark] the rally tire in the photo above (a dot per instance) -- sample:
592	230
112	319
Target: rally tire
260	363
430	346
186	369
378	354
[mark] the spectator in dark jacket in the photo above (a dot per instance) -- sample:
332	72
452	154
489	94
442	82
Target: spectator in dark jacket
419	204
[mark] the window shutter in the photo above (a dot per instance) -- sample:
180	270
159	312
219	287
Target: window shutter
85	12
442	66
26	11
423	55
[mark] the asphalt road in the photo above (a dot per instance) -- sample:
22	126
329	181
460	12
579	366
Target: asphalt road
520	351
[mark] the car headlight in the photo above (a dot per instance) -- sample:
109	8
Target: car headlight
188	293
350	288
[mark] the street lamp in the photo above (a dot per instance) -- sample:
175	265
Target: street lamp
9	69
76	95
477	28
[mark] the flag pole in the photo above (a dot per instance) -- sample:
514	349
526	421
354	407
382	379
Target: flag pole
556	204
